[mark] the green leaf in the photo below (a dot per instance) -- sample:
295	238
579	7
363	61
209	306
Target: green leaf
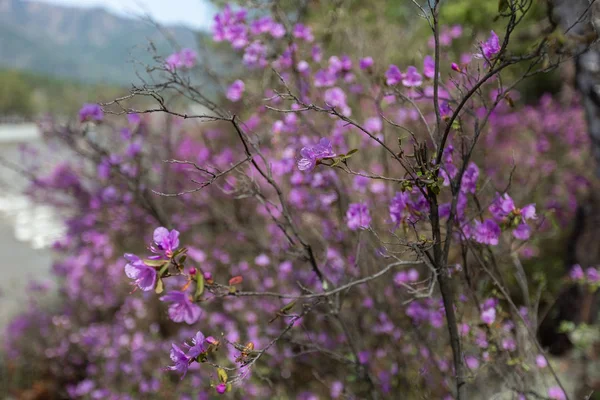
288	307
155	263
351	152
199	286
502	5
159	286
222	375
179	251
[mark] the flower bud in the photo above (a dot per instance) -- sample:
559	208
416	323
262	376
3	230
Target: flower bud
193	271
221	388
455	67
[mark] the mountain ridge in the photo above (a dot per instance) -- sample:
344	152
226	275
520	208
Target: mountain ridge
84	44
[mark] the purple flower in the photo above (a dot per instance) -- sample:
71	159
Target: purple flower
165	242
528	212
398	207
310	155
303	32
374	125
502	206
365	63
235	91
336	98
393	76
337	388
469	181
487	232
324	78
197	347
541	361
556	393
471	362
277	30
231	26
522	231
429	67
358	216
445	110
592	275
182	308
255	55
412	78
173	62
143	275
488	316
188	58
509	344
490	47
182	362
576	272
91	112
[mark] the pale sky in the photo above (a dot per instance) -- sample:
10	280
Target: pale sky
193	13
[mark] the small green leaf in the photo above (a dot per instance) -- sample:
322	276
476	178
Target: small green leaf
199	286
222	375
288	307
502	5
351	152
155	263
159	286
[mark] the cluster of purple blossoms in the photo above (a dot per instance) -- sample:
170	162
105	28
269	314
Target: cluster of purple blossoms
182	360
236	90
186	58
230	26
358	216
266	25
91	112
312	155
504	212
591	275
412	77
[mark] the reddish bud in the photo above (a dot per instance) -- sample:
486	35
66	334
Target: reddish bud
212	340
236	280
455	67
193	271
207	276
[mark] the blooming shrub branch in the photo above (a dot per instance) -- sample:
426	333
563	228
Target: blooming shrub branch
349	231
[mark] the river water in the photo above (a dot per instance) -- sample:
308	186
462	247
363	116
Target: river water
26	230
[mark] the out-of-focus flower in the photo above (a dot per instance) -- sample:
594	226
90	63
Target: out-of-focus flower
393	76
358	216
182	308
235	91
487	232
412	78
91	112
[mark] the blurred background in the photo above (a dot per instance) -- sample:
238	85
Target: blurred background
54	56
